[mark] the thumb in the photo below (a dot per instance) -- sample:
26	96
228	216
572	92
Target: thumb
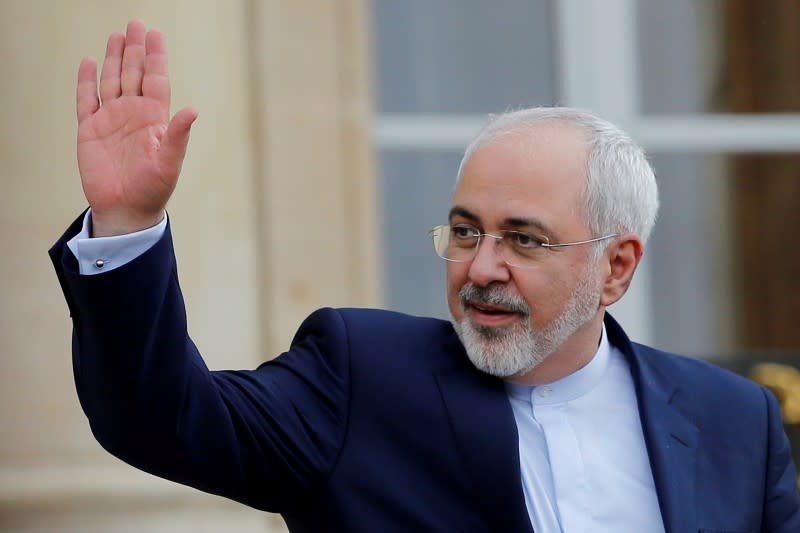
175	140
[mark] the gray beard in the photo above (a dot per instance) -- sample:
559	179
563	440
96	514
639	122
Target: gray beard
513	350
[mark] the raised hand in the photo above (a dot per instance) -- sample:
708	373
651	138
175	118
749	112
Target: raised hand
129	151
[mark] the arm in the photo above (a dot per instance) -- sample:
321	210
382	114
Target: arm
267	438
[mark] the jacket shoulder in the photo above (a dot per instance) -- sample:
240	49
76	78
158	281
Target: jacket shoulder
384	335
692	370
358	321
705	392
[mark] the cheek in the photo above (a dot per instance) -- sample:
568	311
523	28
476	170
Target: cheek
456	278
545	294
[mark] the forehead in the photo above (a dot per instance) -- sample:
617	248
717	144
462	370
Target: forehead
538	172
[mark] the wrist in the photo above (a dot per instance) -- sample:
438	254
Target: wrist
109	224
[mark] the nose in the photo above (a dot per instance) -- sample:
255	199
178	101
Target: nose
488	264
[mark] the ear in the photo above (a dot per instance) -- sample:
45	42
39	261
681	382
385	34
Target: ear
618	264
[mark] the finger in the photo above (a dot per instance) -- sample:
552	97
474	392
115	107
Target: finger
175	141
86	95
133	59
112	64
155	83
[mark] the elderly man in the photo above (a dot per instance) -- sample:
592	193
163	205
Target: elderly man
531	411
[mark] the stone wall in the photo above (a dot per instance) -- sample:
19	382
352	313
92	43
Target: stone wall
281	150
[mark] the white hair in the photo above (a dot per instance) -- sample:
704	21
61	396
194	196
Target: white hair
621	194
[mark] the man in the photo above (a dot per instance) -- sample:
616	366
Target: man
532	411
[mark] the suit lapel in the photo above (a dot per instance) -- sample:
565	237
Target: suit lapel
486	437
671	438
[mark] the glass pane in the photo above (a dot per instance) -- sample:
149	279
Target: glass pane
725	283
463	56
690	259
416	189
713	56
677	54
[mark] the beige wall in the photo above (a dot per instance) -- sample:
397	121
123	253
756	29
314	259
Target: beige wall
281	149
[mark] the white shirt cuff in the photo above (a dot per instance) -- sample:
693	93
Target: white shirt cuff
102	254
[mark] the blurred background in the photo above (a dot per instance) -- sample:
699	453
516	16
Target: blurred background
341	124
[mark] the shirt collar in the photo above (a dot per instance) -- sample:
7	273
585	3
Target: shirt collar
569	387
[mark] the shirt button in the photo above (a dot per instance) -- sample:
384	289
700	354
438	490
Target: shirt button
99	263
544	392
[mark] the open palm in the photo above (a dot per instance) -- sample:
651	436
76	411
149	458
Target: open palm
129	152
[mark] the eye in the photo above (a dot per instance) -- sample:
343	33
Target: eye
461	232
523	240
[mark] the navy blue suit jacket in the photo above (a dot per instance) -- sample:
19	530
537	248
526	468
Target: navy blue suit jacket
376	421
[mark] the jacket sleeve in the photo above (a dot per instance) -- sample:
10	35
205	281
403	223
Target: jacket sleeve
266	437
781	499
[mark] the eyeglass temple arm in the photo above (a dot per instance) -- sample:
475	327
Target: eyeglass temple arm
563	244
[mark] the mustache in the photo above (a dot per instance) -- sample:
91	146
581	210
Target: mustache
492	294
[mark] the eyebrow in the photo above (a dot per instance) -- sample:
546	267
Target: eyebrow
510	222
458	211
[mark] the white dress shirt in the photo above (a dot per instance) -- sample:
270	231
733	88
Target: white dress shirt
583	459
